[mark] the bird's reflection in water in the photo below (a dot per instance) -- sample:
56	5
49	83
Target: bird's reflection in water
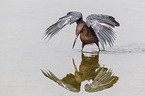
101	77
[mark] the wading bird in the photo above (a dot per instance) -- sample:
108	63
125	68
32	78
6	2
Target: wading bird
97	28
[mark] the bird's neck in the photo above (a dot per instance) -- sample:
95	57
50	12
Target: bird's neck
79	21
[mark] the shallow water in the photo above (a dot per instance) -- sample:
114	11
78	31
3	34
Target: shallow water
23	52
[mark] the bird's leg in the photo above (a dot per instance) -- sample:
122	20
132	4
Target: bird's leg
98	46
83	46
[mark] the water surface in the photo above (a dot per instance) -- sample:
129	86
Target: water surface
23	52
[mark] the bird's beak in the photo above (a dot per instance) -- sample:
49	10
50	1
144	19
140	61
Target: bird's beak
75	41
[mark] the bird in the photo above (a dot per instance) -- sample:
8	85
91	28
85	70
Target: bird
99	77
98	28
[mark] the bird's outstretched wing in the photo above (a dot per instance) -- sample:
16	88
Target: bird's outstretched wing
103	26
103	80
70	18
51	76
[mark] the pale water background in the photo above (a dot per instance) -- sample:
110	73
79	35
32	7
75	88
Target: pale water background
23	52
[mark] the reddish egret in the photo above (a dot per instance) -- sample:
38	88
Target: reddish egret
97	28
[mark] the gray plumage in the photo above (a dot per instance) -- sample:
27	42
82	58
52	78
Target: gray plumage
103	26
70	18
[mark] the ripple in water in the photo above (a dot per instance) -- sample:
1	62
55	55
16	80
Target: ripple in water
130	48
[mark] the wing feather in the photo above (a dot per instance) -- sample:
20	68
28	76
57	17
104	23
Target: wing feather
103	26
103	80
51	76
70	18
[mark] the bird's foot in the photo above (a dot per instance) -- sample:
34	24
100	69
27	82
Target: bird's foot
102	50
